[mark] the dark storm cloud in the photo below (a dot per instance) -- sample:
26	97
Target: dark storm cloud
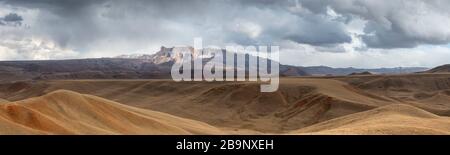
394	23
60	7
11	19
83	23
92	25
394	37
67	22
320	32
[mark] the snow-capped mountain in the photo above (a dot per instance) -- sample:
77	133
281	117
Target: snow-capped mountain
173	55
166	55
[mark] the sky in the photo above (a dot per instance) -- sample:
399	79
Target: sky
336	33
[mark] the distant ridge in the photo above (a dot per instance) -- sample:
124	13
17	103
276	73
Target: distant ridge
145	66
362	73
439	69
325	70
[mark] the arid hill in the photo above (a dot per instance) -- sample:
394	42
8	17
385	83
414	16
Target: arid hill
67	112
440	69
372	104
299	102
397	119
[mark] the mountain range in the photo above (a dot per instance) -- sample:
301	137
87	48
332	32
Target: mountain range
154	66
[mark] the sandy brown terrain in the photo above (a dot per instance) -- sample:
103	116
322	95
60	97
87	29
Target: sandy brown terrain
362	104
390	119
67	112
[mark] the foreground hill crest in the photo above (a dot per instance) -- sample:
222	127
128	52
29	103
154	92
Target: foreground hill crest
68	112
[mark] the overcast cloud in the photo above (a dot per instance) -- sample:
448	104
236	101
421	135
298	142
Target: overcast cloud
339	33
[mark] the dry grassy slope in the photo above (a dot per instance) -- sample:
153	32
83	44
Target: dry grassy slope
300	102
391	119
67	112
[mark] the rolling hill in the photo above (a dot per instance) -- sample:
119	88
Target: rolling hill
398	119
439	69
67	112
